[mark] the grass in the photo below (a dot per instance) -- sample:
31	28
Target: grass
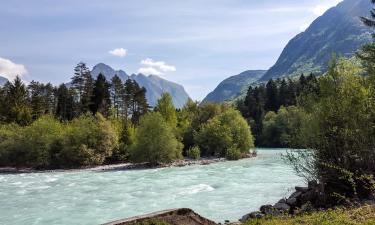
364	215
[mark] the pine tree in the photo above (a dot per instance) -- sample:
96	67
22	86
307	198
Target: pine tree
101	99
367	52
65	103
140	106
82	83
272	102
117	94
16	102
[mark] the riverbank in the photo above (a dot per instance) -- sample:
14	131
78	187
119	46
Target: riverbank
126	166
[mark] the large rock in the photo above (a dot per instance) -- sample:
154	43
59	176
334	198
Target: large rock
252	215
174	217
291	201
282	206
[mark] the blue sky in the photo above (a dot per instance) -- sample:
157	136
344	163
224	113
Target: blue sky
196	43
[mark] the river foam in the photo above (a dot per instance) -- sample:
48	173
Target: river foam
221	191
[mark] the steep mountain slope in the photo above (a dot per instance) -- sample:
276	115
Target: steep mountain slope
3	80
154	85
233	86
339	31
108	72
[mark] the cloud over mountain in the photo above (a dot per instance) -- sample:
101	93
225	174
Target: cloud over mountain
10	70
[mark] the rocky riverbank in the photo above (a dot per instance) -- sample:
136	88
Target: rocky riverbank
126	166
303	200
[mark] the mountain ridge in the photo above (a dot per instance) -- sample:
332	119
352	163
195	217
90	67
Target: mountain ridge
339	30
155	85
233	86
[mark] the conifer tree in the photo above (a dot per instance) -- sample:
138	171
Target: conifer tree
117	92
101	101
64	108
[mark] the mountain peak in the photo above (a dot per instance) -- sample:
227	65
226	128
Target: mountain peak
154	85
339	30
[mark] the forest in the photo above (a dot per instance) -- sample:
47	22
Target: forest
92	122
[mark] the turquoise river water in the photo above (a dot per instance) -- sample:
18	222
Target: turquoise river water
221	191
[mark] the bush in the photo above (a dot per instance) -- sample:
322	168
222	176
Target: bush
88	140
29	146
194	152
225	131
233	153
155	142
48	143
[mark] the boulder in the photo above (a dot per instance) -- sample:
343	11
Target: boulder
302	189
252	215
282	200
296	194
266	208
282	206
291	201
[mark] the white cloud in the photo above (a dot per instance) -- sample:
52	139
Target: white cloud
160	65
120	52
322	8
149	71
10	70
152	67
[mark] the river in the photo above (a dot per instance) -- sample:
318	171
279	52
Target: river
221	191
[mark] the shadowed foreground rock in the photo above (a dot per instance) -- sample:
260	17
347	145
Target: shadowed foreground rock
173	217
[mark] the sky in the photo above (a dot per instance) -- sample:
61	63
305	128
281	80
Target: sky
196	43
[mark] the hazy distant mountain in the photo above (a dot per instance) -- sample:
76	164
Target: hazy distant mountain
339	31
108	72
154	85
3	80
233	86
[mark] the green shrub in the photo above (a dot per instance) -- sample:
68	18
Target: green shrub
88	140
233	153
225	131
155	141
194	152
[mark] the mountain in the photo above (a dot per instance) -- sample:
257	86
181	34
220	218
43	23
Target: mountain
108	72
3	80
154	85
339	31
233	86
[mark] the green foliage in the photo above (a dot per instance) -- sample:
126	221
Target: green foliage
339	130
194	152
233	153
100	99
364	215
155	142
166	108
48	143
223	132
282	129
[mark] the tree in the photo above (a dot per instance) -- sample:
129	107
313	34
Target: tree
117	94
42	99
166	108
101	101
223	133
340	133
367	52
155	142
82	83
272	96
65	103
16	102
135	101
